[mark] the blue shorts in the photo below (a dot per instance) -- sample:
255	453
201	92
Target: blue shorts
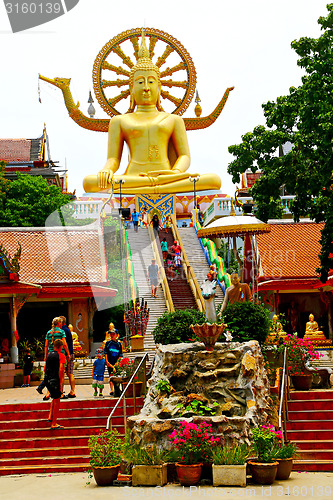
99	378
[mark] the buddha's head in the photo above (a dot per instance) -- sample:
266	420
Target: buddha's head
145	83
311	317
275	318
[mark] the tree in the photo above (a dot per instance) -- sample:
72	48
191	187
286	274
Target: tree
305	119
29	201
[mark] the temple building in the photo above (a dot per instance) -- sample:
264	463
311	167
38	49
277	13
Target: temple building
48	272
288	282
31	157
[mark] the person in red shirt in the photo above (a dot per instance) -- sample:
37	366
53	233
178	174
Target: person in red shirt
175	248
54	373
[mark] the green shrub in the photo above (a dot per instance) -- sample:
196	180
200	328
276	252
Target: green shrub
174	328
247	321
105	449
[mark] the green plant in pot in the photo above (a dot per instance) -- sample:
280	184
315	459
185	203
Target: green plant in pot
105	456
284	453
148	464
193	444
264	468
229	465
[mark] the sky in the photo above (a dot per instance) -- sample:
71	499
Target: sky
245	44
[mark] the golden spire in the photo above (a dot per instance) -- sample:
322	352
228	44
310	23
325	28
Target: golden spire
143	51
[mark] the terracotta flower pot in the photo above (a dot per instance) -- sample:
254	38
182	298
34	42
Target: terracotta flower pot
302	382
104	476
284	468
188	475
263	473
129	390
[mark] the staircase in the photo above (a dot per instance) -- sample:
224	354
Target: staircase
181	293
310	425
142	255
197	258
29	446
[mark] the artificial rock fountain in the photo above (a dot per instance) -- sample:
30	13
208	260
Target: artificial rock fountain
230	383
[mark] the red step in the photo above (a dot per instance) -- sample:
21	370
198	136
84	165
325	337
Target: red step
28	445
310	425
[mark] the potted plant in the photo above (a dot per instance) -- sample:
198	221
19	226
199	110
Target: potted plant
300	352
105	456
264	468
284	453
193	444
148	467
229	465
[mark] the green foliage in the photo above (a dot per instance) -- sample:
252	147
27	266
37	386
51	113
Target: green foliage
105	449
264	442
230	455
287	450
174	328
164	386
28	201
228	256
247	321
197	407
303	118
136	455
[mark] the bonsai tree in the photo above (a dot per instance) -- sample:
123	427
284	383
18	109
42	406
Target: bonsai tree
247	321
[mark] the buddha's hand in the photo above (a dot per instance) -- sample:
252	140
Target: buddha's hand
104	178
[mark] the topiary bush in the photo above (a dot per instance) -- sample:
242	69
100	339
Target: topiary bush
247	321
174	328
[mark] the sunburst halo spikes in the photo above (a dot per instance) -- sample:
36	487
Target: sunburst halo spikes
234	225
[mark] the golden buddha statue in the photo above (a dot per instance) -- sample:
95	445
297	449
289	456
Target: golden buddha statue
157	142
76	344
276	332
312	331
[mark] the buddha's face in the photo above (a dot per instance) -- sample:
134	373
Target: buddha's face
275	318
311	317
234	279
145	87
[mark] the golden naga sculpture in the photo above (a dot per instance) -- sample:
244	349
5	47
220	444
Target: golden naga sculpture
157	142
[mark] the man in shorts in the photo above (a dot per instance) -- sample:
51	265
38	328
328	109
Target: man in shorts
153	275
70	362
54	373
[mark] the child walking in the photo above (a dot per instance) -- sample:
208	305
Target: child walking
98	372
27	368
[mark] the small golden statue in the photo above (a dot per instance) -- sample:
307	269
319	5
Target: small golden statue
76	344
276	332
312	331
157	141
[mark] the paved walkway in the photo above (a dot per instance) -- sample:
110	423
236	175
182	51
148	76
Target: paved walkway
314	485
30	395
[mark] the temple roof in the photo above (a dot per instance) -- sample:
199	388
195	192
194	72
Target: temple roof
21	150
290	250
58	256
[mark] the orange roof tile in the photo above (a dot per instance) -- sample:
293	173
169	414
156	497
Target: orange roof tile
290	250
15	149
58	256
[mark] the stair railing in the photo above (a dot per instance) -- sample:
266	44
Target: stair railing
164	282
122	396
284	396
188	269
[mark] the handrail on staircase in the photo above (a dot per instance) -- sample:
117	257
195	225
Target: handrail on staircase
164	282
122	396
188	269
284	396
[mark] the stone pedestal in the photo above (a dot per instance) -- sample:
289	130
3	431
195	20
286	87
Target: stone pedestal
7	373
